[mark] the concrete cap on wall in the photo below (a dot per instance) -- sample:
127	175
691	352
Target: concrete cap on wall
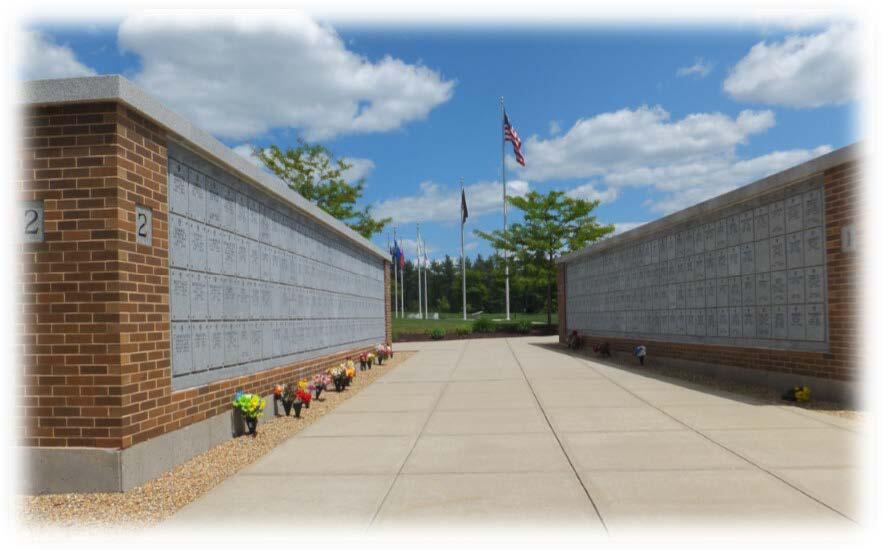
745	193
119	89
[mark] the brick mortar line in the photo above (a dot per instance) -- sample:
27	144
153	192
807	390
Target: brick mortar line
558	439
717	443
416	439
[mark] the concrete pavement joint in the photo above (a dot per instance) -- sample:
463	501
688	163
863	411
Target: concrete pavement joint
558	439
721	445
417	438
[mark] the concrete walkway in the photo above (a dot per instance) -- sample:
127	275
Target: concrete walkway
515	432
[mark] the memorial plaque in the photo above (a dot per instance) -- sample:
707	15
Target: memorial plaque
231	263
778	287
196	196
231	199
736	322
749	323
746	227
815	322
242	212
231	344
198	297
700	322
720	235
231	303
762	256
178	188
216	344
735	298
244	342
777	253
796	321
243	267
723	292
762	222
257	340
256	212
748	290
215	297
777	218
681	296
711	293
815	285
723	321
794	249
814	214
198	250
723	266
679	244
794	214
244	299
763	328
796	286
813	247
699	294
698	240
779	322
179	294
179	242
690	322
746	258
214	207
201	352
733	230
214	261
182	357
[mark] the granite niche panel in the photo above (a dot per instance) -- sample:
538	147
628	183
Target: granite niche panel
751	274
256	284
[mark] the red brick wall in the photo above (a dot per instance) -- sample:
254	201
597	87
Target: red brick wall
842	200
93	304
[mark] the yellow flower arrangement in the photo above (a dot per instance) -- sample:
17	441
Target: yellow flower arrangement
302	384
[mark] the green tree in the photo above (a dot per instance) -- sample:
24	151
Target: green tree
552	223
313	171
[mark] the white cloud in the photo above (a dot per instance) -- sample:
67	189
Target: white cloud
622	227
360	169
685	161
41	58
629	138
694	183
589	192
554	128
435	202
699	69
239	77
246	151
800	71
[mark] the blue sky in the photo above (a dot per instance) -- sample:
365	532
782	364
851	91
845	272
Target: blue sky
650	120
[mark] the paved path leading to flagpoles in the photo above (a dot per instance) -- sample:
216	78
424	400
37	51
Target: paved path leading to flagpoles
496	433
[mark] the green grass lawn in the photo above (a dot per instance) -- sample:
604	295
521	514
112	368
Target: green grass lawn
453	321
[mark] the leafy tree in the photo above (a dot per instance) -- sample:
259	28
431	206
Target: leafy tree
552	223
314	172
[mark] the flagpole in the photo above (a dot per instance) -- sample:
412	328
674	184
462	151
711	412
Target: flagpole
462	254
505	206
419	281
425	280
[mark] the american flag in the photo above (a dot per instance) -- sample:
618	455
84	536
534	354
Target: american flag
510	134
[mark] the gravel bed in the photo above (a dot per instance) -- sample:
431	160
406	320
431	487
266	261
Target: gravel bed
160	498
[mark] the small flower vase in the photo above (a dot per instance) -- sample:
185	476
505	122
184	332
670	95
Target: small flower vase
363	364
370	363
379	359
307	404
319	391
297	406
287	406
338	385
252	425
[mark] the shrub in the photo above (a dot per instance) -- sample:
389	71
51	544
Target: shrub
523	326
464	331
437	334
482	324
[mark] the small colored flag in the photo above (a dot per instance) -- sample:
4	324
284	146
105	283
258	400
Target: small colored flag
464	212
510	134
